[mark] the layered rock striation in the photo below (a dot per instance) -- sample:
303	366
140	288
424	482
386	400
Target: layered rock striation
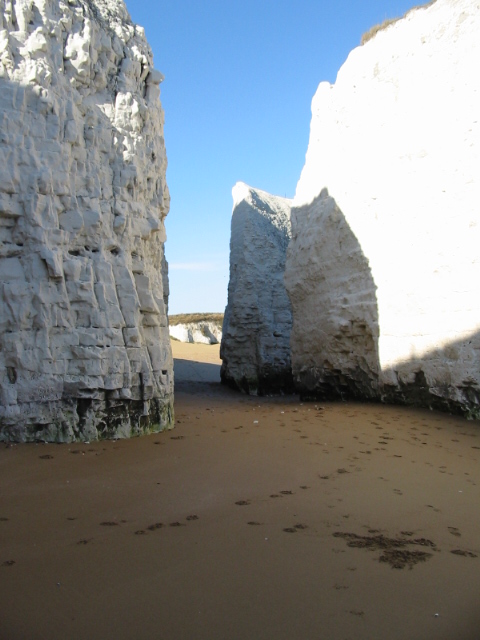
256	329
383	269
84	344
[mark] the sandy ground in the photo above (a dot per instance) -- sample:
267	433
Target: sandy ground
255	518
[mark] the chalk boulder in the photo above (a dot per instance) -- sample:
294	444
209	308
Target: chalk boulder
256	330
84	344
383	269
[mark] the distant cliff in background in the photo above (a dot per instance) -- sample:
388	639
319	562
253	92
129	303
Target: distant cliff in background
84	345
382	269
202	328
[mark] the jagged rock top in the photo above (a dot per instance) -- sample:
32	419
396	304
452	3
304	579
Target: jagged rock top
267	205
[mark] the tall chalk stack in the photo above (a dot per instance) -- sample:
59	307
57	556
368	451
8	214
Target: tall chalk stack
84	344
255	344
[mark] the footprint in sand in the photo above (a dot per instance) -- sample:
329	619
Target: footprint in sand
177	437
3	519
254	524
189	518
242	503
177	524
287	493
466	554
434	508
84	541
46	457
455	532
290	530
304	486
8	563
109	524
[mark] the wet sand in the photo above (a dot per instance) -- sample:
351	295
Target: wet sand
255	518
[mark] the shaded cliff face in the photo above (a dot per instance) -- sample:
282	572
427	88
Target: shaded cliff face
255	346
385	292
84	346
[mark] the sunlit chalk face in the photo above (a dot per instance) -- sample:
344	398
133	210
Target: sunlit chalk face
396	141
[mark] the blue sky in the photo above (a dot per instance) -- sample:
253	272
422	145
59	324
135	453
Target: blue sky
239	79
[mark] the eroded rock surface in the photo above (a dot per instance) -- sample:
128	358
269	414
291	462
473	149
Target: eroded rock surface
256	329
84	344
383	268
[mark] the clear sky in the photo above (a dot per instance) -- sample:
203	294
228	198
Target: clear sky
239	79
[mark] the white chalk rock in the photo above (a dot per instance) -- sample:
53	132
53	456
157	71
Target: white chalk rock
256	329
383	268
84	344
196	332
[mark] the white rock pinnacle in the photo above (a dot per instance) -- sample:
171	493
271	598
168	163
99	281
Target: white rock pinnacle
84	344
256	329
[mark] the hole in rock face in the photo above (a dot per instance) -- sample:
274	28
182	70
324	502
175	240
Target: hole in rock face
115	251
74	252
12	374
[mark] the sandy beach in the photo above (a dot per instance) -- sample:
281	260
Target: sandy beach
255	518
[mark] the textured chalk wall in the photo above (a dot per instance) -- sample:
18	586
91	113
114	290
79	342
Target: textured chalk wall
84	345
383	268
255	347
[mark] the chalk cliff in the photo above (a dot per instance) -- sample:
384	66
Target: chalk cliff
84	344
202	332
383	268
256	329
